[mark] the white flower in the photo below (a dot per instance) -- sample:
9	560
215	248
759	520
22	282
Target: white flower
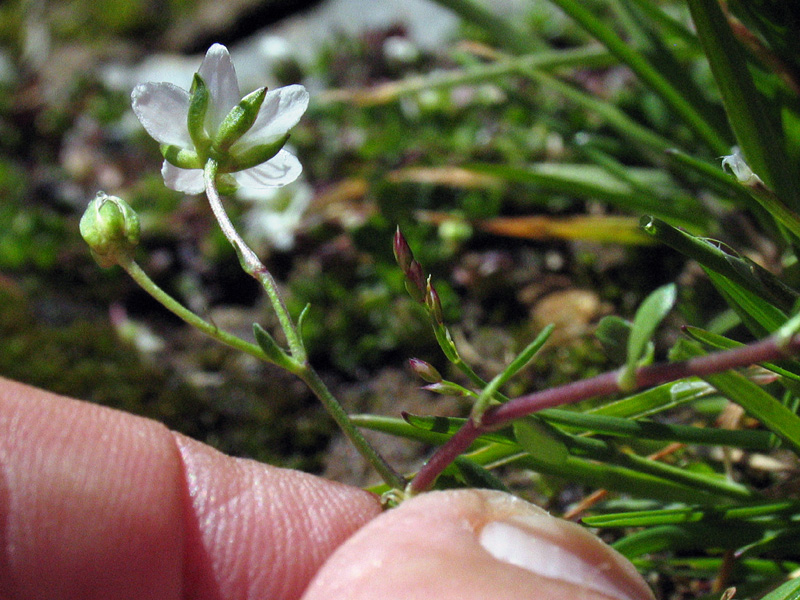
163	110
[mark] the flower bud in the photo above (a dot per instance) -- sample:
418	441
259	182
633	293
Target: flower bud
448	388
111	229
402	251
425	371
239	120
433	303
414	281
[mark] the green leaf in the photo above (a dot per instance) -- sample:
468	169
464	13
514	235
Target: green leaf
788	591
717	257
523	358
753	399
538	441
648	317
613	332
657	399
476	476
647	72
756	130
761	316
592	181
270	347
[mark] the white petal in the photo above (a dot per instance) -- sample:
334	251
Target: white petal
162	109
219	75
188	181
283	168
280	112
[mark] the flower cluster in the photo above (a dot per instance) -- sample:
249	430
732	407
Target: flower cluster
212	121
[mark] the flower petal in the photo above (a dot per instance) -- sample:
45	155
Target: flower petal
219	75
281	110
188	181
283	168
163	109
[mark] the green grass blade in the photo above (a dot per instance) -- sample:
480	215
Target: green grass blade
754	400
647	72
591	181
756	130
710	255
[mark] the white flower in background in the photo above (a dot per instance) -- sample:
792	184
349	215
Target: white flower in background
276	214
245	135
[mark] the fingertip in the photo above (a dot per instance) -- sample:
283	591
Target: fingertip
253	530
475	544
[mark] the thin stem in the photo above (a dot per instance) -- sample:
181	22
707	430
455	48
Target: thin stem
605	384
251	263
331	404
298	362
148	285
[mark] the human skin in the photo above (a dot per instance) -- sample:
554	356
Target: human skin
96	503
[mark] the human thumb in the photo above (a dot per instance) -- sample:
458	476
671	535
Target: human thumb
475	545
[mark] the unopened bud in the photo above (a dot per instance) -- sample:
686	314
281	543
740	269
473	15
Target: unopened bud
402	251
433	303
414	281
425	371
111	229
447	388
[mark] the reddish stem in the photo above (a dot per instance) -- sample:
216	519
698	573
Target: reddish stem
601	385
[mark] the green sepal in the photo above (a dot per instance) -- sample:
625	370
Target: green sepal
199	101
182	158
110	227
227	185
254	156
239	120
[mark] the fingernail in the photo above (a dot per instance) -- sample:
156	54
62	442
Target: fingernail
563	551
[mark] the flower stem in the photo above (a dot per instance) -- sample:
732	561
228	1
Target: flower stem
335	410
770	349
148	285
252	265
298	361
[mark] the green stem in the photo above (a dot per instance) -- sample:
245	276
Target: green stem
335	410
298	362
251	263
148	285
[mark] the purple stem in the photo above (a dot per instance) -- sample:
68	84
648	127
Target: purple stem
601	385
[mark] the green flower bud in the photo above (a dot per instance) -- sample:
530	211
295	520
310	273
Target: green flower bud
199	100
239	120
111	229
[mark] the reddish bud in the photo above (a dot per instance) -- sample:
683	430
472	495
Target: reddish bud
447	388
424	370
402	251
433	302
414	281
